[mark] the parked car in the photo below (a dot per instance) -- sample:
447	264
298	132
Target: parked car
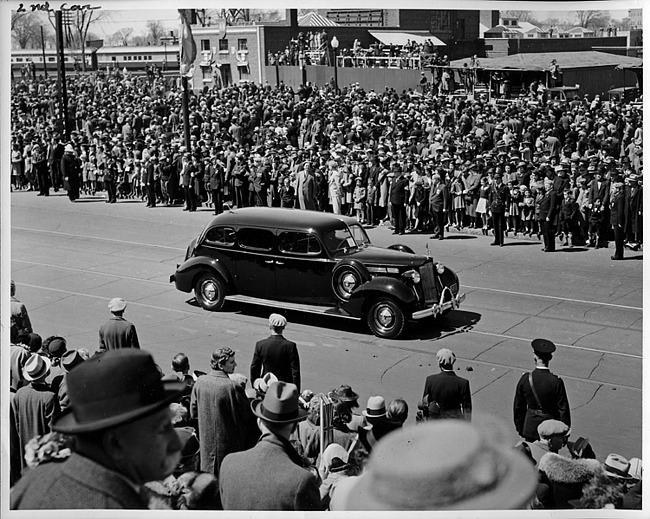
623	94
314	262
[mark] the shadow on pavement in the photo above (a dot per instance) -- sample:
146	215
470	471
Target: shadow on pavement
426	329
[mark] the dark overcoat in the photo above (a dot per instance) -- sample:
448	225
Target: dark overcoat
450	392
117	333
552	395
279	356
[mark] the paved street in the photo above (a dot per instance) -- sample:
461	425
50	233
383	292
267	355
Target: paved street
69	260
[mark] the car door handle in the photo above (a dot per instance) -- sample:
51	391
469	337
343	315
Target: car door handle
269	261
279	262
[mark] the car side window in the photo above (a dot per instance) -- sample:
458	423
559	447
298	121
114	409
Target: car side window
223	236
298	243
256	239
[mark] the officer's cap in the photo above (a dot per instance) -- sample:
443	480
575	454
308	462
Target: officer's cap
543	346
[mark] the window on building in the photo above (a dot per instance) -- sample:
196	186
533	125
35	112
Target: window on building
242	44
19	59
223	45
205	44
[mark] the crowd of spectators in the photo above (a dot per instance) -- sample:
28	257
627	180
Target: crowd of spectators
255	144
372	461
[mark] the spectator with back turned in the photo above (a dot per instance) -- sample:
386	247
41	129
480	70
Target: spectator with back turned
540	394
447	392
276	354
117	332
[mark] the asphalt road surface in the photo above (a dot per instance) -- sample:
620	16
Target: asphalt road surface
70	259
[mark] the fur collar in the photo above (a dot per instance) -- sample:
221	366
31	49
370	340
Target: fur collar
566	470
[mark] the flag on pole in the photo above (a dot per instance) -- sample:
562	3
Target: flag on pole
188	45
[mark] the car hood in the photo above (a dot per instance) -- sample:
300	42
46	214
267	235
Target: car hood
372	255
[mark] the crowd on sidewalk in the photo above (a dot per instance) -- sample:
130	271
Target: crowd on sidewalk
111	430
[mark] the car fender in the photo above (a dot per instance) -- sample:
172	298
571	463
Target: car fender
380	286
186	274
354	267
401	247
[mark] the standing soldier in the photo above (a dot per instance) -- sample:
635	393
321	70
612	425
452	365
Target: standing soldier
498	204
71	172
540	394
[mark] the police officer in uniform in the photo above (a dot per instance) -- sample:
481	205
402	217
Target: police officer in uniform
540	394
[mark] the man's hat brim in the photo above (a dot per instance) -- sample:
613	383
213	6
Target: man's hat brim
67	423
257	411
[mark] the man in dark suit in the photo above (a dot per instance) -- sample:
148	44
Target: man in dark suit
117	332
438	205
188	174
617	219
270	476
545	399
276	355
121	421
498	203
450	392
398	197
548	209
151	176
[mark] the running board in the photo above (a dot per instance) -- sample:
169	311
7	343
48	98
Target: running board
313	309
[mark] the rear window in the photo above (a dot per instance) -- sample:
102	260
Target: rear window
298	243
220	236
255	239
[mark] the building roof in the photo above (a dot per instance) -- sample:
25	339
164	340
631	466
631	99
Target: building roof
315	20
130	49
542	61
400	38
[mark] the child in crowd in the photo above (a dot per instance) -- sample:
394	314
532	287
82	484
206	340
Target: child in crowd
458	191
359	197
371	202
568	218
596	218
514	209
481	207
527	205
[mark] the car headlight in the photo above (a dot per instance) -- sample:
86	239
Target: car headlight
440	268
412	274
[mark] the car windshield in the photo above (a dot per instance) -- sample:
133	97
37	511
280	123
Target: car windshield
346	238
359	235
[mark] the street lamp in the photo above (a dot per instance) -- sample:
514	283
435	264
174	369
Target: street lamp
335	45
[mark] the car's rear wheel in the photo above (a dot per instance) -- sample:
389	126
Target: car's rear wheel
210	291
385	318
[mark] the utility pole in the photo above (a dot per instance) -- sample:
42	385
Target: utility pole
63	92
43	47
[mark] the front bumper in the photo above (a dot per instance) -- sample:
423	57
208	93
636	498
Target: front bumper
440	307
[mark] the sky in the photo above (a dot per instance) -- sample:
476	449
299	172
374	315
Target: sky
137	19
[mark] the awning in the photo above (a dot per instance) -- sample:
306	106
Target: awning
400	38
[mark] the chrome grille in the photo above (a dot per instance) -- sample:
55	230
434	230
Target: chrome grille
428	282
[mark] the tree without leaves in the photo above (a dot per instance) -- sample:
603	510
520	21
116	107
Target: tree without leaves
76	25
522	16
156	30
26	30
121	36
592	19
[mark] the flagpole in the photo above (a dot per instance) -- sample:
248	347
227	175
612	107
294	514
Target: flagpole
188	55
185	101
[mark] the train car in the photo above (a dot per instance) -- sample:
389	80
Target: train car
165	57
20	58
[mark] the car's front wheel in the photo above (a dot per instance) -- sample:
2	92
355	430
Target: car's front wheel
385	318
210	291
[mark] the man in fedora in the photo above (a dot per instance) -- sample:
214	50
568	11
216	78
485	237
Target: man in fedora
117	332
33	406
450	392
270	476
276	354
540	394
124	437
